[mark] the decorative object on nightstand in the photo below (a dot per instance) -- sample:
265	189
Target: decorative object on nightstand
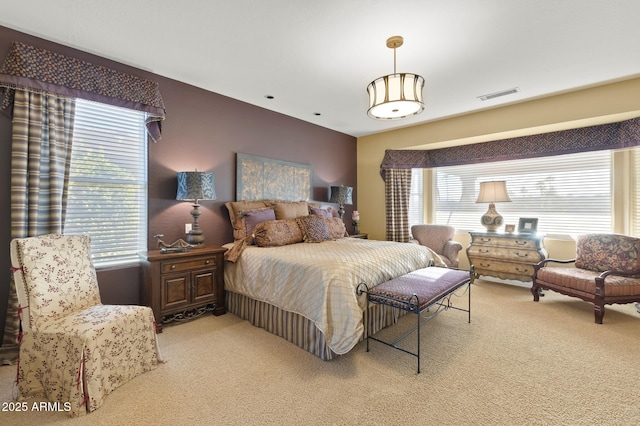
355	216
395	96
195	186
183	285
492	192
341	195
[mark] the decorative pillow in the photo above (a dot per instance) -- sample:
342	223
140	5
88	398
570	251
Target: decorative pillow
321	212
276	233
314	228
290	210
337	229
236	207
250	218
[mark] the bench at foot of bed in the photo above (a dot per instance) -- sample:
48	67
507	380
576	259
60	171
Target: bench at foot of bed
418	292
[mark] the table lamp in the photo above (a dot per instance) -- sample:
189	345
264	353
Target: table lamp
492	192
195	186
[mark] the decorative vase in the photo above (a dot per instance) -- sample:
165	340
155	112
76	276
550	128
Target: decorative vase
492	220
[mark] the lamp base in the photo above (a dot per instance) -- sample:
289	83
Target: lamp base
492	220
195	238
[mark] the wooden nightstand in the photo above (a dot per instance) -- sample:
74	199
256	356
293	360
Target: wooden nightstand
506	256
361	235
183	286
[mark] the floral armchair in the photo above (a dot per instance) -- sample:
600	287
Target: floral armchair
606	270
74	350
439	238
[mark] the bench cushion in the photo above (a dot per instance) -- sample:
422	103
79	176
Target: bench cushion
428	284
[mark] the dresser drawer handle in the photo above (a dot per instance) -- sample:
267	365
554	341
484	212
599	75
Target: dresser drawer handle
485	251
173	266
485	240
524	271
522	255
485	265
522	243
206	262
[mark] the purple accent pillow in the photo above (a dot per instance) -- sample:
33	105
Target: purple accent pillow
254	217
321	212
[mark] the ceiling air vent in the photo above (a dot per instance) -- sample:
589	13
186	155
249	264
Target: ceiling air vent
498	94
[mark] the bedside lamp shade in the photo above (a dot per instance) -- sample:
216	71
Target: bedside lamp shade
492	192
341	195
195	186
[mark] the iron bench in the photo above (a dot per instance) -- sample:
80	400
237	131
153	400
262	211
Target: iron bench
418	292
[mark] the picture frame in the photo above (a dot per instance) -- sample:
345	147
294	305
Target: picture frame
527	225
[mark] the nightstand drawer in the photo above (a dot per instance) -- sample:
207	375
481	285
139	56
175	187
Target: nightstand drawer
187	265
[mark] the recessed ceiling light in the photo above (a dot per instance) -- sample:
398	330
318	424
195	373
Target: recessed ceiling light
269	96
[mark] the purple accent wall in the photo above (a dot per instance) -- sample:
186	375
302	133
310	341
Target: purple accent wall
204	131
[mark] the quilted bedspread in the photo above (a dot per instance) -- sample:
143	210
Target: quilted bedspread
319	280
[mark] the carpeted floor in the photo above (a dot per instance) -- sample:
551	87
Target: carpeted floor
517	363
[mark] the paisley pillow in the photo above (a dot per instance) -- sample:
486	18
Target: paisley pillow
314	229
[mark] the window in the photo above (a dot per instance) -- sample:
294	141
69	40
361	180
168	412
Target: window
569	194
416	199
108	181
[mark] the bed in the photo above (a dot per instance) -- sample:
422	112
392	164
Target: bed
293	271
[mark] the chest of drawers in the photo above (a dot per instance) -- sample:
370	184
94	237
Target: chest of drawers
506	256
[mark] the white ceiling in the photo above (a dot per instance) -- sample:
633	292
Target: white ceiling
320	56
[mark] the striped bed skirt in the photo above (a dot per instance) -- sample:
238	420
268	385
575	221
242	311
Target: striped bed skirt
297	329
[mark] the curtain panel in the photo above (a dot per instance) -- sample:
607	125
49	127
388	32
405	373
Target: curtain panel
624	134
38	70
40	163
397	192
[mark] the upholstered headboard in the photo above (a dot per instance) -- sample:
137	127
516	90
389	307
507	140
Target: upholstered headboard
261	178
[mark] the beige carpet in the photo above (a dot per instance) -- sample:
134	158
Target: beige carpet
517	363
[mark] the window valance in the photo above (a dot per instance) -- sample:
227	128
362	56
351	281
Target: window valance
38	70
619	135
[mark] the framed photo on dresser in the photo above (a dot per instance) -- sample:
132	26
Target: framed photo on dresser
527	225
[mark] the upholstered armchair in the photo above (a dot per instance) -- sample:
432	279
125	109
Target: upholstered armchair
438	238
74	350
606	270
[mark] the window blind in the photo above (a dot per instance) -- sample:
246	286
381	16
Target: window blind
108	181
568	194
